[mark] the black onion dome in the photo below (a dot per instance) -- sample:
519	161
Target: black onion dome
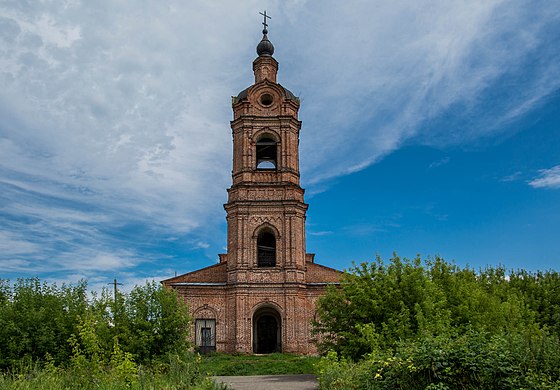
265	47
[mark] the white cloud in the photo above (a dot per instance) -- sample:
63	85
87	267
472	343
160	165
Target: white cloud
376	82
116	114
548	178
109	261
11	245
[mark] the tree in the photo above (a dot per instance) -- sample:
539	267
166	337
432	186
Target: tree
378	305
37	319
151	322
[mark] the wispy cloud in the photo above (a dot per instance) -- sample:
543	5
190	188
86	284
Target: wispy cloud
547	178
439	162
512	177
321	233
450	73
114	132
368	229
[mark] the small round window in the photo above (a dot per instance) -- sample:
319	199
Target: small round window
266	99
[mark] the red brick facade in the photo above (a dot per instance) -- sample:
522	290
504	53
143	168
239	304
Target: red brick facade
261	297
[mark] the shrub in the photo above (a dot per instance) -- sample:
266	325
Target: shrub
37	319
474	360
410	324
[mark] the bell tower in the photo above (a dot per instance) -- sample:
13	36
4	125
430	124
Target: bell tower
261	296
265	208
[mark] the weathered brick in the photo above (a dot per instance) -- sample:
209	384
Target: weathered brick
260	308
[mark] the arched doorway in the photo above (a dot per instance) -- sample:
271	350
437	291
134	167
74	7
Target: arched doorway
267	331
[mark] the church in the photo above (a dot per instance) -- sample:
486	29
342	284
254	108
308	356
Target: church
261	296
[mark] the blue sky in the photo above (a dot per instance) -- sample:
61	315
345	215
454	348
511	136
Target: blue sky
429	128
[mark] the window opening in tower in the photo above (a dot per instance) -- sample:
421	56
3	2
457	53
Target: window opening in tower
266	153
266	250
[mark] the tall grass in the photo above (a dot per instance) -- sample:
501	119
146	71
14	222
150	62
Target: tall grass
177	372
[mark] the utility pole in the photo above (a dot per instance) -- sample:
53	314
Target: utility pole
115	284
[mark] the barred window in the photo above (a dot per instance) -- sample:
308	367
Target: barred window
205	331
266	249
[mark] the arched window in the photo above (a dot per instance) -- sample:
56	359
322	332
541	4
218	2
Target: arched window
266	249
266	152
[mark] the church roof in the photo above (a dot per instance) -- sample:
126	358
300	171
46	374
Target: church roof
214	274
217	275
321	274
243	94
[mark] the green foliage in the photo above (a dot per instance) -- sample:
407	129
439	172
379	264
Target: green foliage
87	357
474	360
405	299
395	302
37	319
53	338
179	373
410	324
541	293
335	373
148	322
124	367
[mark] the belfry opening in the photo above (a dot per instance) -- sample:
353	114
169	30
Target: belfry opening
266	153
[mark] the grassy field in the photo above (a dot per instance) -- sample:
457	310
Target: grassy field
174	376
273	364
188	372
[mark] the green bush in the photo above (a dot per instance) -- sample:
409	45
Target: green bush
149	322
432	324
474	360
54	338
37	319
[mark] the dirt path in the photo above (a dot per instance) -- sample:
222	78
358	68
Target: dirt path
270	382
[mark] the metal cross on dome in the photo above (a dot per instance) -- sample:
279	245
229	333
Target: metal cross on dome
264	19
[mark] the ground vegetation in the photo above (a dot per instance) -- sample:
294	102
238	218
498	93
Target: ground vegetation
413	324
64	338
